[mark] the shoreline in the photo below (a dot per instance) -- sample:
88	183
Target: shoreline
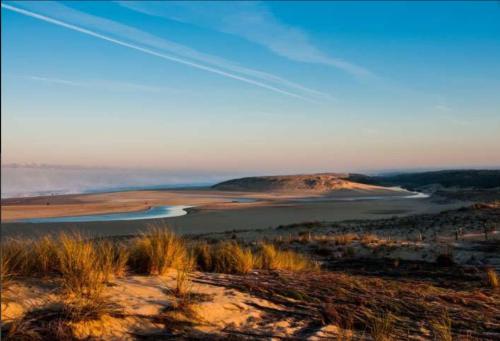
75	205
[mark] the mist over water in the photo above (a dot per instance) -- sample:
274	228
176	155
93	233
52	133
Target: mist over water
24	181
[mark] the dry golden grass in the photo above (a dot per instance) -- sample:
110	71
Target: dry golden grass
79	266
183	282
230	257
56	321
368	239
441	327
42	258
345	239
492	278
202	256
271	258
157	250
381	327
113	258
13	258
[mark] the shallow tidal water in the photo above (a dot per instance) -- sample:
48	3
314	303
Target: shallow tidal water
152	213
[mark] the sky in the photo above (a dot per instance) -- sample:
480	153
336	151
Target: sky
250	87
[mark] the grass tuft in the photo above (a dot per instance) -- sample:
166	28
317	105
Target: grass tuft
271	258
13	258
381	327
79	266
492	278
157	250
441	327
113	258
230	257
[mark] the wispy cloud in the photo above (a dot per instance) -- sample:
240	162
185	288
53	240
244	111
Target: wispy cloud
144	42
105	85
253	21
442	107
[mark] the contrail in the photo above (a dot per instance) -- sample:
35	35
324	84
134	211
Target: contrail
150	52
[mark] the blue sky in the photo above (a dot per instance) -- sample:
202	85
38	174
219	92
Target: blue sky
271	87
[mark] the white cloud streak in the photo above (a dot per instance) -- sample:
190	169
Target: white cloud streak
148	39
252	21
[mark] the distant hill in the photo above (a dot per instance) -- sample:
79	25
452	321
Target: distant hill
477	179
329	182
325	182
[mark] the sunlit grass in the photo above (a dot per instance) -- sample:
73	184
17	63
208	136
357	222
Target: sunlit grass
381	327
232	257
272	258
492	278
157	250
441	327
79	266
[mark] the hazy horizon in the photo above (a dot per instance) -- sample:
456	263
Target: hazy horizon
247	88
35	180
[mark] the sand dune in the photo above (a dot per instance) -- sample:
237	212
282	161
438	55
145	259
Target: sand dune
320	183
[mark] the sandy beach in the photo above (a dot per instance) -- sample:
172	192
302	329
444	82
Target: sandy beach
213	211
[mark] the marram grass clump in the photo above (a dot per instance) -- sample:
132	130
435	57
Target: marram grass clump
83	264
80	264
157	250
272	258
232	257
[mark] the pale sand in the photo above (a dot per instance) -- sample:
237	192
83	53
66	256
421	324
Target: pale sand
141	298
114	202
215	211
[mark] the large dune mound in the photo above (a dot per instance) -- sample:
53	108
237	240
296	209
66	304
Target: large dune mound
320	183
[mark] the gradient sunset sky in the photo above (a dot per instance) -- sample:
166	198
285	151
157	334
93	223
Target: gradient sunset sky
270	87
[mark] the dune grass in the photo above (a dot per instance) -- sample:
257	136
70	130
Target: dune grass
113	259
272	258
11	253
234	258
381	327
79	266
157	250
230	257
223	257
441	327
42	260
345	239
74	258
492	278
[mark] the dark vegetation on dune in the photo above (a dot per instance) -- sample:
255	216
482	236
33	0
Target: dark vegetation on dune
305	182
479	179
463	179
